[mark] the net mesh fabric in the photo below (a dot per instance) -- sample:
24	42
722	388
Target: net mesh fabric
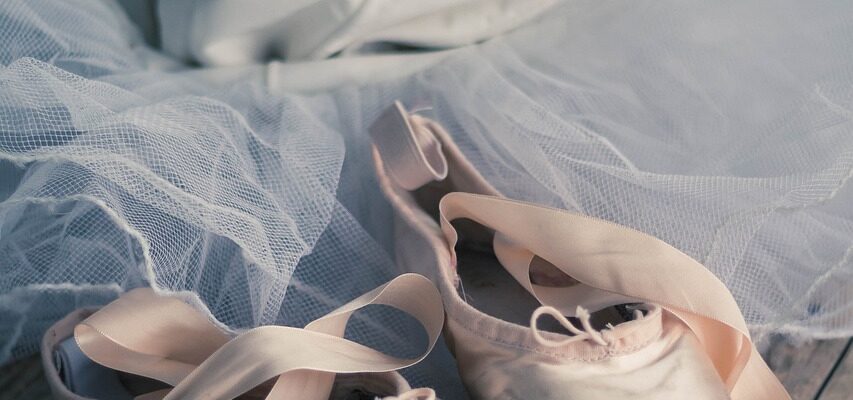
197	200
725	130
121	170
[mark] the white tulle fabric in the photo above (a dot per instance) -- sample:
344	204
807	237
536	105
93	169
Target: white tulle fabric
725	129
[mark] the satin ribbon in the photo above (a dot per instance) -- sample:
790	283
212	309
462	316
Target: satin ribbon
414	157
165	339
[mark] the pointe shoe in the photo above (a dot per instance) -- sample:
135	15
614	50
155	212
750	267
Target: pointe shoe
631	316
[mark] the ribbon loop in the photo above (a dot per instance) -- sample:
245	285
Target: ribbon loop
409	146
165	339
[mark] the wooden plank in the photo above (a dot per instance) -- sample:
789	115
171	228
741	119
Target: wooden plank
24	380
840	384
804	368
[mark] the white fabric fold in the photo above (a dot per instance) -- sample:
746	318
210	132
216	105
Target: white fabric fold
231	32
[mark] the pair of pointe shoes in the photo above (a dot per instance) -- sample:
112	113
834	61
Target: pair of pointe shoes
630	316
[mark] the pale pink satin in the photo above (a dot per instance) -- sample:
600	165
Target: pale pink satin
165	339
620	260
417	158
702	324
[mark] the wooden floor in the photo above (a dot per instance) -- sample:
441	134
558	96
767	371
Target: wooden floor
820	370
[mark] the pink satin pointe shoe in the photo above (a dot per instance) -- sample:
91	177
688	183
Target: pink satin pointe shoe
146	346
629	316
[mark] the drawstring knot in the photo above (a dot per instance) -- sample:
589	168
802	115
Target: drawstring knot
582	314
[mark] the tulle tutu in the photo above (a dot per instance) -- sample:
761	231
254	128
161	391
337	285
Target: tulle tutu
724	128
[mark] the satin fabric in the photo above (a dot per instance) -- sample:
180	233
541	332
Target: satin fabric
233	32
655	360
56	373
167	340
696	345
501	360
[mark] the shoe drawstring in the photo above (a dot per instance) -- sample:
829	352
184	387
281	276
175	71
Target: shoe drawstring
638	310
415	394
581	313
